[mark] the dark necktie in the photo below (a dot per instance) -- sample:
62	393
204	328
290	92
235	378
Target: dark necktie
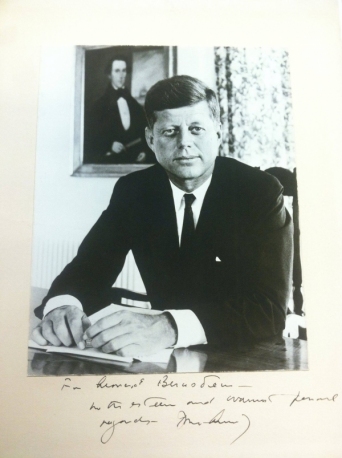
121	93
115	95
188	230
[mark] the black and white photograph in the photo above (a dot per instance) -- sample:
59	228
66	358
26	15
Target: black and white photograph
166	216
171	229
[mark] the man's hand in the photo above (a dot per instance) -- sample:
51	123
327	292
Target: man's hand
132	334
117	147
62	326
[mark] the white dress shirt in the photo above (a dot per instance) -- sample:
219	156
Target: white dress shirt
124	113
189	328
123	110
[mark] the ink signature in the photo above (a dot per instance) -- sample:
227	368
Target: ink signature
184	419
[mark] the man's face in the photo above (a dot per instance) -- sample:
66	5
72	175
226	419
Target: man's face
185	141
118	73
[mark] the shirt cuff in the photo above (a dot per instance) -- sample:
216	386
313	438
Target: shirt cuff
189	328
189	360
59	301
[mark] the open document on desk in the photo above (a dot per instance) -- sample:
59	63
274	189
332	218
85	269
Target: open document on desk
95	354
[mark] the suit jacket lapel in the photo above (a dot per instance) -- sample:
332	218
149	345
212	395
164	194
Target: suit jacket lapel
163	216
216	223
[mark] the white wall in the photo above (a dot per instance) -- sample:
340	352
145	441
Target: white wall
65	206
198	62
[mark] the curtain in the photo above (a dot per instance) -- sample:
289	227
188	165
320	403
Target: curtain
253	86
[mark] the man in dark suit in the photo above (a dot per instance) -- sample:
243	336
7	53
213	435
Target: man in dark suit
210	236
114	130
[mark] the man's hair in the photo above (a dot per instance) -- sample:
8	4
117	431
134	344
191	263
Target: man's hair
108	68
176	92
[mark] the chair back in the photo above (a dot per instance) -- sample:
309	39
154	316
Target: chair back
288	180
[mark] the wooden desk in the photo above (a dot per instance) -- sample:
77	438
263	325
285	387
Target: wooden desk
276	354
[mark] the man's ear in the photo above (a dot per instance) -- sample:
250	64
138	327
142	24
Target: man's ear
149	138
219	132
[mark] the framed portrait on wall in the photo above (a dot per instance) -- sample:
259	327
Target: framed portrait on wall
111	85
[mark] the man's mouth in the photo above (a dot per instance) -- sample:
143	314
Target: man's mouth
184	160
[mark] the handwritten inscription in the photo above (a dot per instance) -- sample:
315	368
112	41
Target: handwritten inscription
209	381
108	434
114	404
216	420
300	398
65	385
244	400
103	384
157	402
203	403
219	411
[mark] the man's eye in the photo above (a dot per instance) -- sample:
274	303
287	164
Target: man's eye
196	129
169	132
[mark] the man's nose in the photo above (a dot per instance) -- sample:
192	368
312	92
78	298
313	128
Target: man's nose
184	138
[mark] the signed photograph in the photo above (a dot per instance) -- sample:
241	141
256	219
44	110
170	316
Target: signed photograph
166	216
171	229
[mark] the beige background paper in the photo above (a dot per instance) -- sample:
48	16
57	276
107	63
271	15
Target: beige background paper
38	418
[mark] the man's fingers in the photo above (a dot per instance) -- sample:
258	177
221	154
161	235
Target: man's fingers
103	324
118	343
62	331
37	336
109	334
62	326
49	334
85	322
76	322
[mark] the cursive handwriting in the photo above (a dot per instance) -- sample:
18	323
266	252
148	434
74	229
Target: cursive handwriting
203	403
93	406
209	381
108	434
150	402
244	400
184	419
218	419
158	401
103	384
202	396
114	404
300	398
68	386
243	432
